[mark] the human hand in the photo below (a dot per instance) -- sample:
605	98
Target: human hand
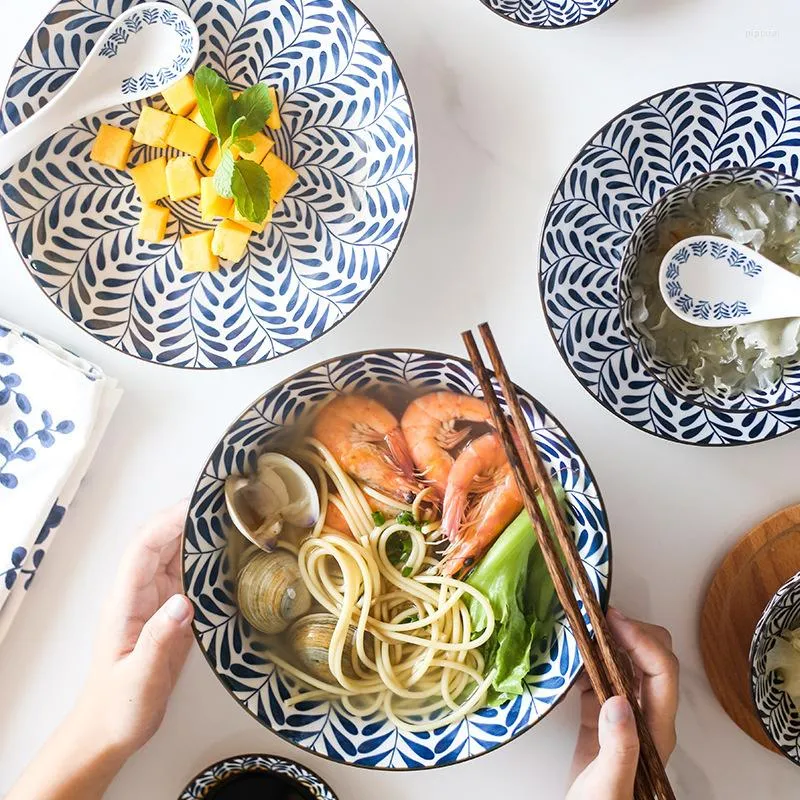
607	751
143	641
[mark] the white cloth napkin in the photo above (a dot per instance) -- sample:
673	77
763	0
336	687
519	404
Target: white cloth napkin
54	409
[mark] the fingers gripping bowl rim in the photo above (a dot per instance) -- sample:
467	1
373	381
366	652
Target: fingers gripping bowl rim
332	238
226	641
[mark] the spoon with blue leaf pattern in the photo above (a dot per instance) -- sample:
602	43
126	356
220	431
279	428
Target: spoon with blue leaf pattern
714	282
142	52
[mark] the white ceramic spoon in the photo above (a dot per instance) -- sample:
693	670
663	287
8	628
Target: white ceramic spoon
714	282
143	51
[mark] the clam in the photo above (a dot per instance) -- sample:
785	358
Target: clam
310	640
270	591
279	492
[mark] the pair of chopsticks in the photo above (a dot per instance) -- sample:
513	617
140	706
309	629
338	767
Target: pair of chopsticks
603	659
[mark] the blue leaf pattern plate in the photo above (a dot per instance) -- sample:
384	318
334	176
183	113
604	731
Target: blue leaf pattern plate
549	13
777	712
201	785
237	656
348	129
648	153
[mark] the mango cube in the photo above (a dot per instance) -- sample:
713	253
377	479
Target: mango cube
153	127
230	241
274	119
197	118
281	176
183	180
213	156
252	226
112	146
212	204
153	223
150	179
180	96
188	137
263	144
196	252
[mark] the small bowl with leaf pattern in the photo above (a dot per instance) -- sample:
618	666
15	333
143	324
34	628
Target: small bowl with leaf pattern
346	137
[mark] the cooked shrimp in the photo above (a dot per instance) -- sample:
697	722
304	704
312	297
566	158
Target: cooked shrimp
481	499
431	427
365	438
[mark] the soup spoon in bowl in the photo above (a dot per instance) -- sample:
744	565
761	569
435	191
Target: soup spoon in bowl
714	282
141	53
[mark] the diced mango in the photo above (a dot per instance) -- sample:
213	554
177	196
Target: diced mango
263	144
180	96
252	226
196	253
213	156
182	178
274	119
150	179
188	137
153	223
197	118
212	204
281	176
112	146
230	241
153	127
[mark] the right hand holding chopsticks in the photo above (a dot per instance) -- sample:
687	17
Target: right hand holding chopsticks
607	751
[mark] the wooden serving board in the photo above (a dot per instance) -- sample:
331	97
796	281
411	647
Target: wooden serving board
741	588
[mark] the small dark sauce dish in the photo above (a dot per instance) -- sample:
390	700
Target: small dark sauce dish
257	785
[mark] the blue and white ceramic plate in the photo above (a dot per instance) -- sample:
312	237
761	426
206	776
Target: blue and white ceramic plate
612	194
290	771
348	130
238	657
776	711
549	13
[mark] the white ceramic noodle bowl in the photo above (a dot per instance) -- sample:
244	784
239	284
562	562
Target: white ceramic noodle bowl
714	282
142	52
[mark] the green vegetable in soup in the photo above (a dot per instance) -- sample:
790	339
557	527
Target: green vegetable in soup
514	578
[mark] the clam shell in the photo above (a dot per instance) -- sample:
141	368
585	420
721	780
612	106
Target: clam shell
310	640
270	591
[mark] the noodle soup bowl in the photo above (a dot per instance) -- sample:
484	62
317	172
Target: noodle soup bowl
240	657
774	708
678	379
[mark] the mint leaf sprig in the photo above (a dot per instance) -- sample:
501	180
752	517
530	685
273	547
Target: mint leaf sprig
233	121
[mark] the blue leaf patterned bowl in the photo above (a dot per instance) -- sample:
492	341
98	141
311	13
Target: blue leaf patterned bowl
776	711
625	178
348	130
217	774
549	13
238	658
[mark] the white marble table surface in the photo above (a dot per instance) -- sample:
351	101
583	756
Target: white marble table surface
501	111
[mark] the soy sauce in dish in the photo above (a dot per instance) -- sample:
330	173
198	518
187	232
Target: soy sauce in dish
258	786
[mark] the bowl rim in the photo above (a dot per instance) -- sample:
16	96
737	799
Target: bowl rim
541	244
604	602
629	334
759	630
355	306
282	759
530	27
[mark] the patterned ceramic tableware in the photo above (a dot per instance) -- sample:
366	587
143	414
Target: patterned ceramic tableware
775	709
238	658
348	130
295	774
549	13
626	178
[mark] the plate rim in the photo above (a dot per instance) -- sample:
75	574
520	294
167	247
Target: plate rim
230	367
604	602
540	249
530	27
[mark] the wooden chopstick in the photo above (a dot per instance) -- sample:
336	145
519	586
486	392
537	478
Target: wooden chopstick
602	658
